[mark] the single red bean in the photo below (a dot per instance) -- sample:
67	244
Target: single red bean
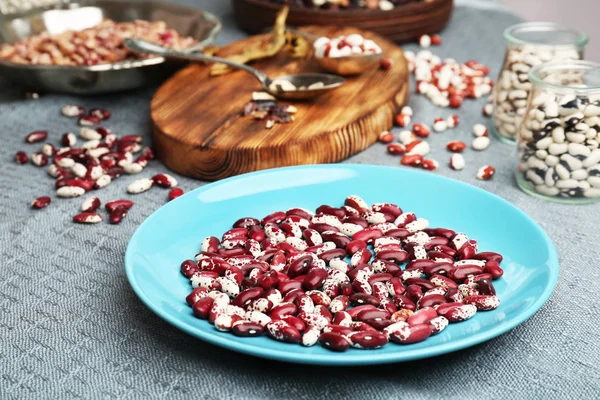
460	273
432	300
323	311
286	286
355	310
411	334
331	254
398	256
36	137
235	274
356	220
352	274
363	298
299	212
202	307
368	340
383	277
195	295
237	252
189	268
262	266
474	279
117	215
422	316
355	246
341	317
339	303
436	241
278	260
361	257
387	208
319	298
395	287
300	265
328	210
256	232
246	296
398	233
423	283
446	250
340	240
466	252
438	256
486	287
246	222
320	227
359	326
312	237
346	288
334	341
492	267
447	233
401	301
439	268
444	308
282	309
282	331
414	292
268	280
292	295
483	302
368	235
247	329
371	314
488	255
378	324
342	330
295	322
414	264
453	294
314	279
443	281
275	217
460	313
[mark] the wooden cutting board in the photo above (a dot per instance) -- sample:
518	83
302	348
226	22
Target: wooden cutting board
198	129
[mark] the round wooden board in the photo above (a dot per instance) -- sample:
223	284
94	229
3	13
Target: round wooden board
198	129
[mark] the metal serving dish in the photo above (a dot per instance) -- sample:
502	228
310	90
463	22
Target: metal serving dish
102	78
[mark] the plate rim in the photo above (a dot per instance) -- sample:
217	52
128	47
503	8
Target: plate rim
349	359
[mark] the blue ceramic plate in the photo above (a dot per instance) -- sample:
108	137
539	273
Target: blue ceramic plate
173	234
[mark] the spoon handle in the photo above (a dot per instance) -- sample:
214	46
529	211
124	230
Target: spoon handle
143	46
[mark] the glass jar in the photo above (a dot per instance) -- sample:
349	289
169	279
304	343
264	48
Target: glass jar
559	139
527	45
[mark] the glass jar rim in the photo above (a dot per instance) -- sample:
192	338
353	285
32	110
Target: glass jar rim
581	38
536	79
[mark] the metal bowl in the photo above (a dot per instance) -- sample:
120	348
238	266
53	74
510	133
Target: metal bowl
102	78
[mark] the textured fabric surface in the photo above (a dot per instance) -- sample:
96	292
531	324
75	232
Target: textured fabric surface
71	327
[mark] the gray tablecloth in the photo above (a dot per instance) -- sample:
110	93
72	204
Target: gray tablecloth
71	327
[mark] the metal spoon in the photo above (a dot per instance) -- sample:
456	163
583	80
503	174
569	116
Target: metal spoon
305	86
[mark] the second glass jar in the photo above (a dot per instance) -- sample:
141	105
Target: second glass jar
528	45
559	139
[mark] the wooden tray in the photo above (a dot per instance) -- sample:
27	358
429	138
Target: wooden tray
198	129
402	24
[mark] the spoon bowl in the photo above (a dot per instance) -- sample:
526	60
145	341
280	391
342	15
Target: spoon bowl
307	85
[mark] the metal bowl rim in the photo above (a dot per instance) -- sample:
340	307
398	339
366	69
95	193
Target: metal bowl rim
122	65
